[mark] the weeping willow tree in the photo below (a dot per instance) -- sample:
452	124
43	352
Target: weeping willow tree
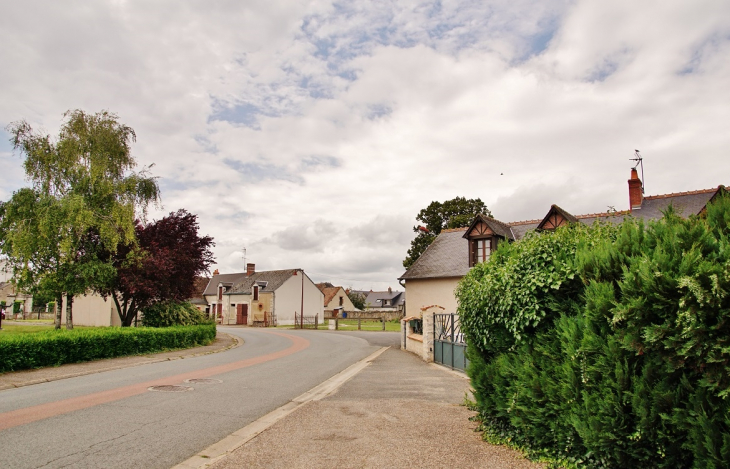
84	198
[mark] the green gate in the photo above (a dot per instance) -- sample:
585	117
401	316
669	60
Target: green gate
449	345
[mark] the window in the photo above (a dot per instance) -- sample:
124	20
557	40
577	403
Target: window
341	301
256	293
482	250
220	292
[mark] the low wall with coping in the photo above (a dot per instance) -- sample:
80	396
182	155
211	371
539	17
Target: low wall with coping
420	344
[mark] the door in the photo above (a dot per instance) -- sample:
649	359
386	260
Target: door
242	314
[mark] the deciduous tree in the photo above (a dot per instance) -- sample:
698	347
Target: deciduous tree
161	266
455	213
83	201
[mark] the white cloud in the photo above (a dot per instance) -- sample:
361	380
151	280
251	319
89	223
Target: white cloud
312	133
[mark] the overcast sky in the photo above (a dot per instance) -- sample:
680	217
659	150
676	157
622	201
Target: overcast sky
313	132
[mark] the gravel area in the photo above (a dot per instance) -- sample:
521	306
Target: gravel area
398	412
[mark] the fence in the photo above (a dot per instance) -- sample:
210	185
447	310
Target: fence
306	322
359	321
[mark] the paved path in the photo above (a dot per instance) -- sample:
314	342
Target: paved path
397	412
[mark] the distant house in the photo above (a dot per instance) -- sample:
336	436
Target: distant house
385	300
10	295
335	297
252	298
431	280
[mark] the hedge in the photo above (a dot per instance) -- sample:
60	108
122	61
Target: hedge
607	346
57	347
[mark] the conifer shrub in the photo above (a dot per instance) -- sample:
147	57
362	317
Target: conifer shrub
57	347
607	346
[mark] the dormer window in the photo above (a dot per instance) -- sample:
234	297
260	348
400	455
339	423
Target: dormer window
482	250
220	292
484	235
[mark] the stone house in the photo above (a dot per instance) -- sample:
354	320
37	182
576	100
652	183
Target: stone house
259	298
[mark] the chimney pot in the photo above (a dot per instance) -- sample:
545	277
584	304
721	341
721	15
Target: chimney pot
215	272
636	193
250	269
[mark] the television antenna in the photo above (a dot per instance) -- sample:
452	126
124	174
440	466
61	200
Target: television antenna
244	256
639	161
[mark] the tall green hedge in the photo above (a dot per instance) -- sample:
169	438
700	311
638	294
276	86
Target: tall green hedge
607	346
53	348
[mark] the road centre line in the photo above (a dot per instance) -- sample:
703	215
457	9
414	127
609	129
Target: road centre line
26	415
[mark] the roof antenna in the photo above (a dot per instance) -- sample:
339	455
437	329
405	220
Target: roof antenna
244	256
639	161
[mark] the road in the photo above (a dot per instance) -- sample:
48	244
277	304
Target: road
111	420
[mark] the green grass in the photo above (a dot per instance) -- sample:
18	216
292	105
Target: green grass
10	330
351	325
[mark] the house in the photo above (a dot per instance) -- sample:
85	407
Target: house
385	300
10	295
335	298
15	302
198	299
431	280
253	298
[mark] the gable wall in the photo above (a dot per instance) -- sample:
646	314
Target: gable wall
288	299
335	302
421	293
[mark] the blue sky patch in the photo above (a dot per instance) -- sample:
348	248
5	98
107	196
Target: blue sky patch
244	114
257	172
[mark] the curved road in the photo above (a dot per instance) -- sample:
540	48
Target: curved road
110	419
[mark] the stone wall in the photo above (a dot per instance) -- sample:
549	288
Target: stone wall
389	315
420	344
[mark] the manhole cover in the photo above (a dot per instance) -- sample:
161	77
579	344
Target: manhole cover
202	381
169	388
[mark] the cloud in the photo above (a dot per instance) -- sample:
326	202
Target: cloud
313	133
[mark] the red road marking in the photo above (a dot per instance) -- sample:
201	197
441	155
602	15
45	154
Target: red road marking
18	417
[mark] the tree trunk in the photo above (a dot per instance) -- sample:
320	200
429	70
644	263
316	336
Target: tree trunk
69	314
59	305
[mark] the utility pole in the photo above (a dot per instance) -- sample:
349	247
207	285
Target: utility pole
301	314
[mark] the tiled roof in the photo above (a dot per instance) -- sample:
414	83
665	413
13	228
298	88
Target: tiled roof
447	256
273	278
329	292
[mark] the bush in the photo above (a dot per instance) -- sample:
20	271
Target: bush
56	347
173	314
627	363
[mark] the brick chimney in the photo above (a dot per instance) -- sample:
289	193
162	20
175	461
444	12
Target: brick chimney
636	193
215	272
250	269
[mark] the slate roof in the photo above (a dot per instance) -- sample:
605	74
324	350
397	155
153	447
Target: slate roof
445	257
273	278
226	279
375	299
686	203
201	283
448	255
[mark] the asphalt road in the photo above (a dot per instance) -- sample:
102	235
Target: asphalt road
110	420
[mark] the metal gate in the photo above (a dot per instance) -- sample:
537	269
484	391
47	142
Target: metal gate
449	345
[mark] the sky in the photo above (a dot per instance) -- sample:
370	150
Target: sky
311	133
